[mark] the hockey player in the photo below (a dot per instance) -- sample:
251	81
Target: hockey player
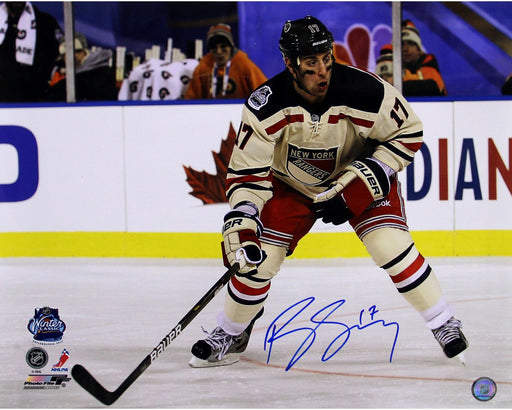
319	140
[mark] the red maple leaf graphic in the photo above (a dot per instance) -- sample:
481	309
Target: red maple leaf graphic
211	188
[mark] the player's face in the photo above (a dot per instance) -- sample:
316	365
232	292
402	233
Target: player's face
314	73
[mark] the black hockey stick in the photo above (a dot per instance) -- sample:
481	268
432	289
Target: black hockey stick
89	383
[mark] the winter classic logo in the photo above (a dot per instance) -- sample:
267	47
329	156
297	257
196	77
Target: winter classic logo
46	326
259	97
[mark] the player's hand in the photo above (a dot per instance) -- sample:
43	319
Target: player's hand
363	182
241	231
333	210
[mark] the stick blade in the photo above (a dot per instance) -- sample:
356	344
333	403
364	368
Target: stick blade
85	379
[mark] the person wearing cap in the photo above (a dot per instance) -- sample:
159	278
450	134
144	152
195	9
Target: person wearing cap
422	76
225	71
81	52
319	142
29	45
94	73
384	67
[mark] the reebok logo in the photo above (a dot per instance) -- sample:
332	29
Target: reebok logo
384	202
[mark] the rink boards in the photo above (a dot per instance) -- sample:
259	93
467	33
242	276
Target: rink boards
88	180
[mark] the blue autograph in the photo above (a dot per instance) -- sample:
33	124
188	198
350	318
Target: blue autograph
275	333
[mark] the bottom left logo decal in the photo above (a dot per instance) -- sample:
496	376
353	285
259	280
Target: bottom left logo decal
48	365
46	381
36	357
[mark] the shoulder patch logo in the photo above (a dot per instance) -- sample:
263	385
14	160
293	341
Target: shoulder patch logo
259	97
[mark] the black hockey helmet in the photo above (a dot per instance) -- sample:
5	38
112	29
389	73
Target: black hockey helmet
306	36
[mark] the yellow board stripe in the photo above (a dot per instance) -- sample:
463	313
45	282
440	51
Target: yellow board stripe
207	245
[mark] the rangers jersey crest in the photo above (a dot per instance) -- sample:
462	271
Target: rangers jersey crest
311	166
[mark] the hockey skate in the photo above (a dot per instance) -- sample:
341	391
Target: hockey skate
220	348
451	338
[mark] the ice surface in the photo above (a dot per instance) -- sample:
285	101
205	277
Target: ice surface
117	310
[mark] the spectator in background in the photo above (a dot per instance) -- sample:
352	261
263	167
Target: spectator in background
225	71
94	74
384	67
422	76
506	89
29	45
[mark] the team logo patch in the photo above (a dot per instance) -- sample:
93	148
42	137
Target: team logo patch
311	166
46	325
259	97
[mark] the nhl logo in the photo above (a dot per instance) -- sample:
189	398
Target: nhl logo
36	358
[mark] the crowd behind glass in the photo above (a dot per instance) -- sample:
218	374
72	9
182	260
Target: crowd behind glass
32	66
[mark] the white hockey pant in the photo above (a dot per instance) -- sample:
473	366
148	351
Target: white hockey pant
391	249
394	251
246	296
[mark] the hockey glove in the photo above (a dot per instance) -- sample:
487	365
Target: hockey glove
363	182
241	231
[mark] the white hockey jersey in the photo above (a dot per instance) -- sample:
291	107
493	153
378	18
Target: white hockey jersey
308	147
158	80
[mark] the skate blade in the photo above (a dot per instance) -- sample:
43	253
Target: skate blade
225	361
